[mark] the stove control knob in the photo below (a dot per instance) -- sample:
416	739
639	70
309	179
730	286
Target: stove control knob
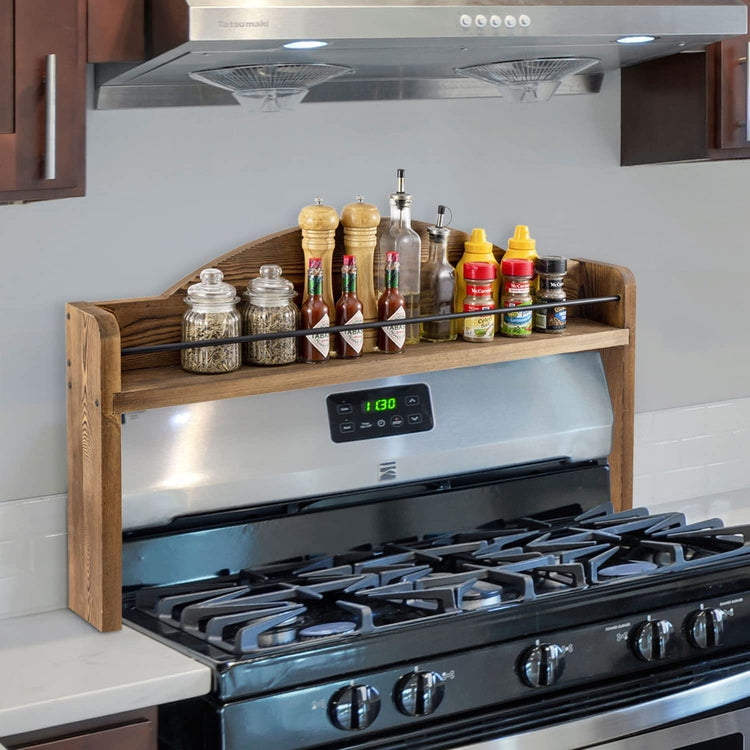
354	707
705	628
651	639
542	665
420	693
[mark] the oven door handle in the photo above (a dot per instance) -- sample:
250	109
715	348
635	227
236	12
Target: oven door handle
605	727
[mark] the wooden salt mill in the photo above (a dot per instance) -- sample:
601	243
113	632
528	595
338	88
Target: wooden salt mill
318	224
361	221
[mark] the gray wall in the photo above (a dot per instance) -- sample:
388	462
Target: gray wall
168	190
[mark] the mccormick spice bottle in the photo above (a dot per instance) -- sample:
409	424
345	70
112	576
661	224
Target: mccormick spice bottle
550	270
476	250
212	314
391	306
479	279
438	284
517	274
349	312
314	314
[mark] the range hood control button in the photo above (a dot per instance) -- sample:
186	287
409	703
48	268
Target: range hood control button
543	665
480	21
354	707
705	628
420	693
524	21
651	639
496	22
510	22
465	20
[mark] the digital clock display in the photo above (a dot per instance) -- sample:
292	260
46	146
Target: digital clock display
379	405
373	413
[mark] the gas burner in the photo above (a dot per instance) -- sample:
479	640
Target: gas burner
628	569
481	596
325	629
280	635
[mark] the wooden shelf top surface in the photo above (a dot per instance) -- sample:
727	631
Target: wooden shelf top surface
171	386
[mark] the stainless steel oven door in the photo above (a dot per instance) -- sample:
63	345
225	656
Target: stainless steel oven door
644	726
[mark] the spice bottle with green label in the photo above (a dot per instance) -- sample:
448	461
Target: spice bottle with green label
314	347
517	275
391	306
349	313
550	270
212	314
479	279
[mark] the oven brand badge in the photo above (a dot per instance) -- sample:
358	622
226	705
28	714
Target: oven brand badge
387	471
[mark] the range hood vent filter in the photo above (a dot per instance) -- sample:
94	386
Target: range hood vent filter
529	80
270	88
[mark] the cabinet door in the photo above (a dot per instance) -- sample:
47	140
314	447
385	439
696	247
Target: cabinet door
138	736
42	99
733	93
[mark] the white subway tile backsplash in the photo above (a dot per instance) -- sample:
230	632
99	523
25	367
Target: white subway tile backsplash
656	457
643	489
15	558
644	427
680	483
728	476
724	417
674	424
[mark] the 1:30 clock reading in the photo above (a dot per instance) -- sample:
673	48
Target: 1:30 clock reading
378	405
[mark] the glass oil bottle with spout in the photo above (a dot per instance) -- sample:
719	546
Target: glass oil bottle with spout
401	238
438	283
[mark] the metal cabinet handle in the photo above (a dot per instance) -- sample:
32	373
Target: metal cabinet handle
747	98
50	145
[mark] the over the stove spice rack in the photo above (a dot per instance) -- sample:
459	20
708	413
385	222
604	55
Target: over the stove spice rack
102	385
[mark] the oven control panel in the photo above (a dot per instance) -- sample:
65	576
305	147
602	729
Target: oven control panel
379	412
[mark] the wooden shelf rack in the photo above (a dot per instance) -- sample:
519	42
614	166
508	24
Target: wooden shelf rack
102	385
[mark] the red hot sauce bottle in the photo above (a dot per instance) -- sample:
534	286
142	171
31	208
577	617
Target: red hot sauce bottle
391	306
349	312
314	314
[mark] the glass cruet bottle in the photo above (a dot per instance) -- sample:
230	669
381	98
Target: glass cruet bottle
438	284
212	314
402	239
270	309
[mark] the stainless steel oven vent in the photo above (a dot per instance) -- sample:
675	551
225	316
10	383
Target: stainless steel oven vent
529	80
270	88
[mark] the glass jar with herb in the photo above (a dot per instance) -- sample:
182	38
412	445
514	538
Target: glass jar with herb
270	309
211	314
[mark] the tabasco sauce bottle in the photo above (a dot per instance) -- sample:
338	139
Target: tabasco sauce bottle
349	312
314	314
391	306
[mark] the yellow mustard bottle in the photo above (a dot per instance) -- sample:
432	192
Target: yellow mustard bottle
476	250
521	245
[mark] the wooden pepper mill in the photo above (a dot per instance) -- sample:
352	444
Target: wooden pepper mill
360	221
318	224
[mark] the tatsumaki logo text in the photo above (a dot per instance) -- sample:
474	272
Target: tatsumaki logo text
262	24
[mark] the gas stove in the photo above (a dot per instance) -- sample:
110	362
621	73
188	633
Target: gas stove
429	612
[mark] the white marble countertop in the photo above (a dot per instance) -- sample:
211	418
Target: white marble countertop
57	669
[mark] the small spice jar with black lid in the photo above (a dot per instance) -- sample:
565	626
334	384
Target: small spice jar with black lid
212	314
551	270
270	309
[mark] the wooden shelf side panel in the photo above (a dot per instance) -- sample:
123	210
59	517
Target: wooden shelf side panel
94	476
601	279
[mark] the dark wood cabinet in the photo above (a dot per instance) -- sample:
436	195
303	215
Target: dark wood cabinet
135	730
42	99
687	107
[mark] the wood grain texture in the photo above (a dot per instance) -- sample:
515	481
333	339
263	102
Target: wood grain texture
601	279
116	31
43	27
731	93
7	68
170	386
94	479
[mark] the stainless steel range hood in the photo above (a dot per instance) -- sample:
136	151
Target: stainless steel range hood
402	49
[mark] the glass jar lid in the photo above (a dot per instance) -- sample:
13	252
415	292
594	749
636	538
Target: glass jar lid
270	288
211	288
